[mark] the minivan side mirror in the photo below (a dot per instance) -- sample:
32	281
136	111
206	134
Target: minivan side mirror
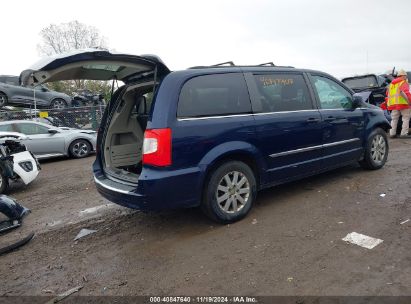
44	89
53	131
356	101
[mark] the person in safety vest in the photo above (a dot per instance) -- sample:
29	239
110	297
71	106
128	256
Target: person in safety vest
399	103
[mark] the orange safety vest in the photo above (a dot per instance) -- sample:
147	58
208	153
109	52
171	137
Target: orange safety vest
394	95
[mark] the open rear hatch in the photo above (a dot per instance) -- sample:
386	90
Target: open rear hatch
93	64
123	129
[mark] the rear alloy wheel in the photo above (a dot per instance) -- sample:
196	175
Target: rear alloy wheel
376	151
58	104
230	192
80	148
3	100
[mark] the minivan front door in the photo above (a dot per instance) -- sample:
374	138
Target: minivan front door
343	124
287	125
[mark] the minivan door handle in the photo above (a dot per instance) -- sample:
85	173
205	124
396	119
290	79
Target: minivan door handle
313	119
329	118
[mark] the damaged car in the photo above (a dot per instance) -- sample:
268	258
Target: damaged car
16	162
371	86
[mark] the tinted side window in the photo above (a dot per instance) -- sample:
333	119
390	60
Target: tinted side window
211	95
331	94
282	92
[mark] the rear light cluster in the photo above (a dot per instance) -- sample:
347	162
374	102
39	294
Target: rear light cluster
157	147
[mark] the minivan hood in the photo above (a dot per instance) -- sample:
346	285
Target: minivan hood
92	64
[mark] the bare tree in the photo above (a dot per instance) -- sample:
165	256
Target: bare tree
65	37
69	36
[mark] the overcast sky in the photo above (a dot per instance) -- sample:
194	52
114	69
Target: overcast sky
339	37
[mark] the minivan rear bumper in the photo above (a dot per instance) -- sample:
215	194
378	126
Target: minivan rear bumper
155	190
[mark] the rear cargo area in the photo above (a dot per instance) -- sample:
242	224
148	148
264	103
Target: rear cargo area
123	142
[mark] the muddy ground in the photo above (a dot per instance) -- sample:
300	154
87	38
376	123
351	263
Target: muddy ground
290	244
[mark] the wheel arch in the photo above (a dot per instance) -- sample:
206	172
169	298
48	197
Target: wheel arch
374	123
5	94
77	138
240	151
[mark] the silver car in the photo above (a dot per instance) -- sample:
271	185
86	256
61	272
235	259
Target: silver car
46	141
12	93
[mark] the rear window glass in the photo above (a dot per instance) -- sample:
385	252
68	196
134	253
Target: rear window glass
282	92
213	95
363	82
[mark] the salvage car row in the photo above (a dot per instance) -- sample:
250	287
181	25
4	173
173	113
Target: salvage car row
14	94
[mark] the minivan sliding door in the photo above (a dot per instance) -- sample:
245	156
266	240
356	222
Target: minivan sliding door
288	126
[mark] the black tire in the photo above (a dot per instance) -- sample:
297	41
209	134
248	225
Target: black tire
80	148
4	182
58	103
376	151
3	100
236	210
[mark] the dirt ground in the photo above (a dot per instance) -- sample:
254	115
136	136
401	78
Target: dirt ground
290	243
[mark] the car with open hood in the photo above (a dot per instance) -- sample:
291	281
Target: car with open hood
213	136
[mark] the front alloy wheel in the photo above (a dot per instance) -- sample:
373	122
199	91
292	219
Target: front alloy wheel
376	150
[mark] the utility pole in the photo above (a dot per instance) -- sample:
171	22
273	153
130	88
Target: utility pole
366	62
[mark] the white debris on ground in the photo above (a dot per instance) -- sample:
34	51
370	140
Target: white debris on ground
362	240
96	209
83	233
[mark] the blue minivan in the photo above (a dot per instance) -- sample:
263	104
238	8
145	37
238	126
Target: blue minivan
213	136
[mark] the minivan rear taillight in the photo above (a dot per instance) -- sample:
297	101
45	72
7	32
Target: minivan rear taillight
157	147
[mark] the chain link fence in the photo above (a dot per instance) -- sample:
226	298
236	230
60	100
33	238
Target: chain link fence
88	118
